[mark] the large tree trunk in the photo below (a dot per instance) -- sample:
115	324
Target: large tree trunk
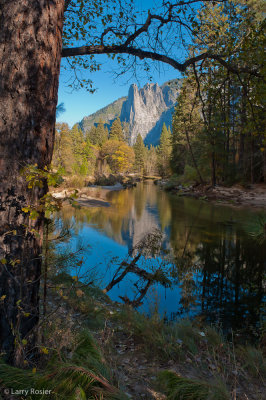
30	54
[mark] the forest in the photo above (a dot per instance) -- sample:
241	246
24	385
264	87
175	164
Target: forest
218	124
61	334
101	152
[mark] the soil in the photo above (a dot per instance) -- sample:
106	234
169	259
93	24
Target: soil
136	371
253	195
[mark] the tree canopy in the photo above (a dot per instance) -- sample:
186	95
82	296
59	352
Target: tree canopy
169	33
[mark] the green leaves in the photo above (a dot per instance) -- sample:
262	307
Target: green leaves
48	204
36	177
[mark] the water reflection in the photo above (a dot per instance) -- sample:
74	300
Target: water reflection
157	273
217	268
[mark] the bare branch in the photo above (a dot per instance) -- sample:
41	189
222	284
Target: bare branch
144	28
67	3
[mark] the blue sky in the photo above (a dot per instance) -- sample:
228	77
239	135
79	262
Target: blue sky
80	103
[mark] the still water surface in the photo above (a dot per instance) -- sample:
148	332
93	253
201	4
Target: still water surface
212	258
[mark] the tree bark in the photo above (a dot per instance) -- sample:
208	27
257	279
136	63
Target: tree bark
30	55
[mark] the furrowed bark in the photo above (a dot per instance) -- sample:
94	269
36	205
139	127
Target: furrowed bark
30	55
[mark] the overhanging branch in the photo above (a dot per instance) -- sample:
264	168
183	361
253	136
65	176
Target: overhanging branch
121	49
142	54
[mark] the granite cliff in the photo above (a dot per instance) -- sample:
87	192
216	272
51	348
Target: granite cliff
145	111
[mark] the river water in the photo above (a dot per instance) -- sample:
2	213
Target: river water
211	258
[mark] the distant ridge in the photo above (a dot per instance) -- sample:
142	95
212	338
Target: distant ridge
108	114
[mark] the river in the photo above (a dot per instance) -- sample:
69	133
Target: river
210	257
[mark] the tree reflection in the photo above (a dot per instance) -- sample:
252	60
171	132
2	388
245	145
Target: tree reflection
215	255
149	246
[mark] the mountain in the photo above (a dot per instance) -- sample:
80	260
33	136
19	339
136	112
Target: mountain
108	114
145	111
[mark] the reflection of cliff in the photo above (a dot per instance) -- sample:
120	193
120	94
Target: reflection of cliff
133	214
139	227
142	218
218	267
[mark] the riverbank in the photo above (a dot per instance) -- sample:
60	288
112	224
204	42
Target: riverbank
141	356
139	350
86	197
90	196
237	195
95	193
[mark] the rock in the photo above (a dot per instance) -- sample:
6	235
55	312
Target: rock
147	109
140	389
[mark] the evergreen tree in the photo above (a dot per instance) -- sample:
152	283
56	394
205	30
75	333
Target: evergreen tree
116	132
92	135
72	152
164	152
150	161
125	127
99	134
77	140
187	129
139	150
62	147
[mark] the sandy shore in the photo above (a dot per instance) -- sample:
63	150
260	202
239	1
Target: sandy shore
254	195
92	196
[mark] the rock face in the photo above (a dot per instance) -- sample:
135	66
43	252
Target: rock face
147	109
144	110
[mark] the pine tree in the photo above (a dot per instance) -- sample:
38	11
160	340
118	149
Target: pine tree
125	127
77	140
99	134
150	161
92	135
62	144
164	152
187	130
116	132
139	150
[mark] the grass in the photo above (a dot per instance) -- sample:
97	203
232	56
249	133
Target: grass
75	367
74	181
179	388
253	361
78	374
85	301
165	340
155	337
194	347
